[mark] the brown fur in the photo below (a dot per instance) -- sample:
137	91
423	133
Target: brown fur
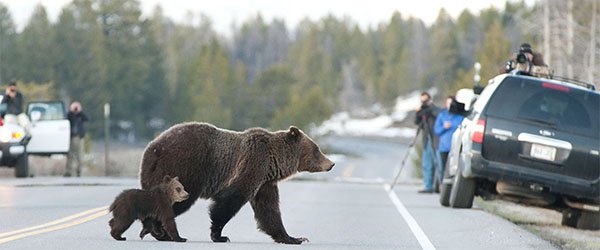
231	168
155	203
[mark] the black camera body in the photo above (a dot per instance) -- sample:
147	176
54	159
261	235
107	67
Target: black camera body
425	110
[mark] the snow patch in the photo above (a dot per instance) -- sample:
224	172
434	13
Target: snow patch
381	126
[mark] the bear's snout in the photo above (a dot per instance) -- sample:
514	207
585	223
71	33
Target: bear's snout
331	167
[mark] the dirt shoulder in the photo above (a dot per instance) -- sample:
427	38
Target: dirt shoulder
545	223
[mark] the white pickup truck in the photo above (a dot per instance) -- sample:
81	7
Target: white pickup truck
50	134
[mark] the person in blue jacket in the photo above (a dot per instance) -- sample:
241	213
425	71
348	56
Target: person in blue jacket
445	125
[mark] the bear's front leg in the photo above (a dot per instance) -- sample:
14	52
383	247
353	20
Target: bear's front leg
155	228
268	217
171	228
226	204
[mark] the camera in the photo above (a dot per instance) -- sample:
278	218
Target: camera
425	109
521	57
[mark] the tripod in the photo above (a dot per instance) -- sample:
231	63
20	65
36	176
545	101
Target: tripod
412	144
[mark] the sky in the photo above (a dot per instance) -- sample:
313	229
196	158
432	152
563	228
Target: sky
226	13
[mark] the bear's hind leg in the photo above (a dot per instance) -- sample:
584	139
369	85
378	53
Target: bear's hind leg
226	204
118	226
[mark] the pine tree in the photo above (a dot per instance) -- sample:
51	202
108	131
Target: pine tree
495	52
444	53
36	54
8	42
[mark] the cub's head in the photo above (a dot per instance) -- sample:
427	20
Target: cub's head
175	189
311	158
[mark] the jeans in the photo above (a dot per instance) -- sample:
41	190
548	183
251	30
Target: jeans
427	166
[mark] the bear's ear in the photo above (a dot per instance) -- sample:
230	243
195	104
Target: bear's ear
294	132
167	179
176	178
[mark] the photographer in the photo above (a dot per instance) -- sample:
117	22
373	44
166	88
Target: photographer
523	60
76	117
425	118
14	108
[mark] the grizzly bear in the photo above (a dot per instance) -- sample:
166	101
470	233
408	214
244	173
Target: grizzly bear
156	203
231	168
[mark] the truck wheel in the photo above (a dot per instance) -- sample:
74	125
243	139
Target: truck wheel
22	166
446	188
589	220
581	219
463	191
570	217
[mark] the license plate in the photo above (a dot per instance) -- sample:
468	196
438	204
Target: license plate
543	152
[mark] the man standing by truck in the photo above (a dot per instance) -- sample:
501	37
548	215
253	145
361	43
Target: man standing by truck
76	117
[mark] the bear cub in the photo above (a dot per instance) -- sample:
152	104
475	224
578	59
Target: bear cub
155	203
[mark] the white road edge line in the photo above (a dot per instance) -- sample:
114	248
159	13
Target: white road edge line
412	223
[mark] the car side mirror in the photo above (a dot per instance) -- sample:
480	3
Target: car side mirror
36	115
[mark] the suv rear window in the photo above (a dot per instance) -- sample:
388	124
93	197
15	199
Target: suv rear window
547	103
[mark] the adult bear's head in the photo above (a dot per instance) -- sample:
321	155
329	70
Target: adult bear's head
311	159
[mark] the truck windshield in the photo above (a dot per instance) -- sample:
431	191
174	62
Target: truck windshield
551	104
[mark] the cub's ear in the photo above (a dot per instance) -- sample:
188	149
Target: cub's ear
294	132
176	178
167	179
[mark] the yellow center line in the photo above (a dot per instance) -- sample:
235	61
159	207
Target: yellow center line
73	223
348	171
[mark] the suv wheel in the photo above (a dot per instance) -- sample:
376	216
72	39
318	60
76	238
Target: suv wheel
22	166
463	190
581	219
445	189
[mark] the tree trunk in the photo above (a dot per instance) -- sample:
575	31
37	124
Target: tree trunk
570	36
547	52
592	64
558	43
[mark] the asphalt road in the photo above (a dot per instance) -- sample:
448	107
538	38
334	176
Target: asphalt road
348	208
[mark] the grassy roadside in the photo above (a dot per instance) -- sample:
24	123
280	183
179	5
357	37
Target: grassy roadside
544	223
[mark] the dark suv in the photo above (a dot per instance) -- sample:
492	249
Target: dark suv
531	140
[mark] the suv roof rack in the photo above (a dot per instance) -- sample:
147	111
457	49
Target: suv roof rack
579	83
586	85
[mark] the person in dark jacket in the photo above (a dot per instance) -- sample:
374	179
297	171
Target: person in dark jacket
426	115
76	117
14	108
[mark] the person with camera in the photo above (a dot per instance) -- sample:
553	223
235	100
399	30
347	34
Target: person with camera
76	117
425	119
14	108
524	60
445	124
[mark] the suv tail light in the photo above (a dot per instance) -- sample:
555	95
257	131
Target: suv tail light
478	131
